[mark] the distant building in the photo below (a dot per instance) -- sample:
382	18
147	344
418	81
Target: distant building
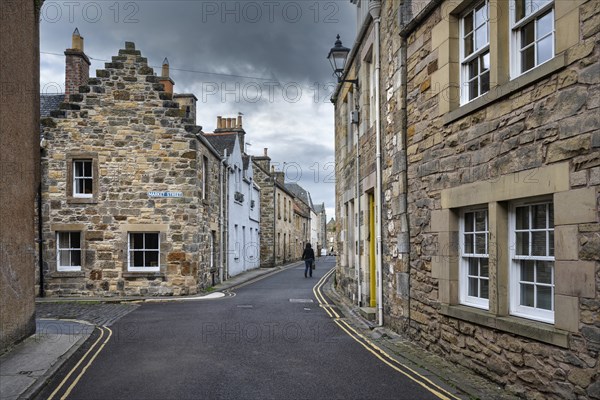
321	226
304	217
332	238
128	199
242	198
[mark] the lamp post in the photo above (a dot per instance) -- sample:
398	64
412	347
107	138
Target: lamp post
338	55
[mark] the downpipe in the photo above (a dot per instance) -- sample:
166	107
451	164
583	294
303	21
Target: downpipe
375	11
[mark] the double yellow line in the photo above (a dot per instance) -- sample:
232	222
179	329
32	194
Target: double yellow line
377	351
90	355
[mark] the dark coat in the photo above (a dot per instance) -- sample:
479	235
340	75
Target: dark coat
309	254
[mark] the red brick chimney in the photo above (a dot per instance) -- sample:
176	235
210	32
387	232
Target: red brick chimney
77	70
165	79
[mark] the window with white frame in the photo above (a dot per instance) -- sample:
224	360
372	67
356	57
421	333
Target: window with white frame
83	178
143	253
532	261
474	257
68	251
532	23
475	52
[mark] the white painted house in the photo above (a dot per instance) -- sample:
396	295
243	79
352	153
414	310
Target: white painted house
242	199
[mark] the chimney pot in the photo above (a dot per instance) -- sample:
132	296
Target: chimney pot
165	68
239	122
219	122
229	123
266	149
77	41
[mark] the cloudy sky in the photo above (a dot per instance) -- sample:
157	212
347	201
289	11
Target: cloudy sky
266	59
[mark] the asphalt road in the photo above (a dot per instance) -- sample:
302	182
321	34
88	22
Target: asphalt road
270	340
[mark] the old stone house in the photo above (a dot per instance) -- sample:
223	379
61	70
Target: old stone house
490	173
241	197
321	226
303	220
277	229
127	201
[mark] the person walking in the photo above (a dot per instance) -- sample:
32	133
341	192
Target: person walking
309	257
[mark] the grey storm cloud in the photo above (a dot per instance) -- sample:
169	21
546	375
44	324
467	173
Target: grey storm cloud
275	50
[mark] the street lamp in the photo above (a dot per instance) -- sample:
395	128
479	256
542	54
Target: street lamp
338	55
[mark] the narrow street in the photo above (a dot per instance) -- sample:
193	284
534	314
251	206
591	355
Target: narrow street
267	339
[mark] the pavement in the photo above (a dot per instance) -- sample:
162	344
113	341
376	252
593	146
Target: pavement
64	324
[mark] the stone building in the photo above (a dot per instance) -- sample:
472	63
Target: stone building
303	220
321	227
241	198
127	205
331	237
490	179
277	230
19	167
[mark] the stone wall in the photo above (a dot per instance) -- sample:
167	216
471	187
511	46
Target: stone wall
264	180
19	168
139	143
535	135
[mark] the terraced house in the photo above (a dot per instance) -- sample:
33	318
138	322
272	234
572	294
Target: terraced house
127	177
486	184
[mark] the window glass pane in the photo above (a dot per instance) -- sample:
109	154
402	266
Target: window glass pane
485	82
551	243
538	243
75	258
522	218
64	258
63	240
469	243
484	268
527	271
519	10
79	186
485	62
481	37
152	241
78	168
152	259
544	297
473	89
468	45
473	68
469	222
88	186
528	59
485	289
545	49
544	25
480	221
473	267
468	23
137	258
480	247
473	287
480	15
522	244
551	215
75	239
527	295
538	219
137	240
87	168
544	272
528	34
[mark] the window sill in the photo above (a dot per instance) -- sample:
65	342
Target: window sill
530	329
82	200
67	274
510	87
142	274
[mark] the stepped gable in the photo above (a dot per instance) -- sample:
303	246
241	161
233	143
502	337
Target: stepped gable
129	88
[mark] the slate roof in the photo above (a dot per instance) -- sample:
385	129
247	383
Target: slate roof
319	208
245	161
50	102
222	142
299	192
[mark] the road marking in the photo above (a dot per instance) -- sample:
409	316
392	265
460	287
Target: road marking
70	388
77	365
376	350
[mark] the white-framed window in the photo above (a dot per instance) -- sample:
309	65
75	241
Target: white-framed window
532	261
83	178
532	30
236	243
68	251
143	251
475	52
474	278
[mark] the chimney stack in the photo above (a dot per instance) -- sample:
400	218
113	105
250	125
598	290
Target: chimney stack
77	66
164	78
266	149
219	122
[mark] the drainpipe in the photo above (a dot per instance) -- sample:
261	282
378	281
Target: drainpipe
359	300
275	205
375	10
226	230
221	218
40	241
404	144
